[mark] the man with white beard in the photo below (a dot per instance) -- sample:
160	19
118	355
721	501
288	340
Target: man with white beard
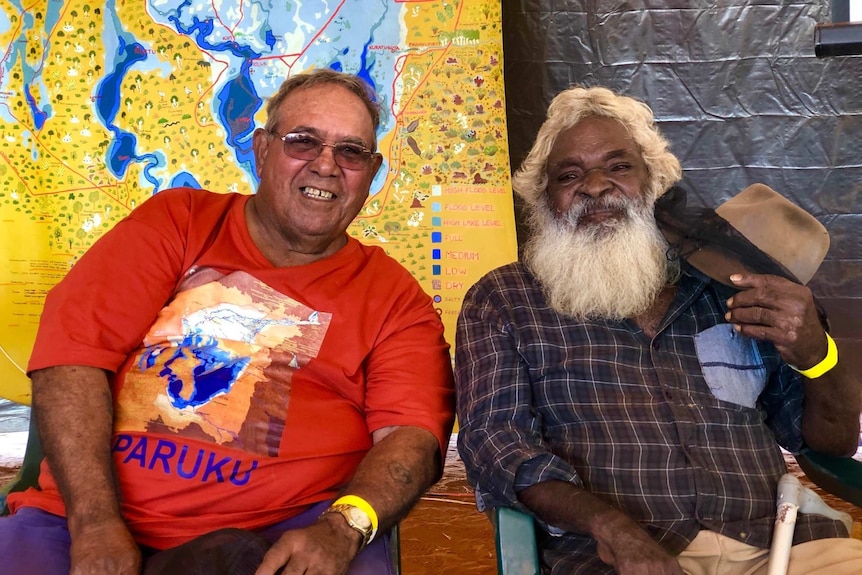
632	404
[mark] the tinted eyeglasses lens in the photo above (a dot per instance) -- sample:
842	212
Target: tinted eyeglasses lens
304	147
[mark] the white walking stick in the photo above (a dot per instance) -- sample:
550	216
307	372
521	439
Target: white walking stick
793	498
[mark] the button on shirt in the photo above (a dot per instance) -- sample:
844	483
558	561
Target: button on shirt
680	431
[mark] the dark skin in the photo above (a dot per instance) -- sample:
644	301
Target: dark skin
392	485
291	224
767	308
400	466
101	542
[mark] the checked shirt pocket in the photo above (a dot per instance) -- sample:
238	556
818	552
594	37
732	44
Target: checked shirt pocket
731	365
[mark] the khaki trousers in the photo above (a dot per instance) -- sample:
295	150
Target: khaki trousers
714	554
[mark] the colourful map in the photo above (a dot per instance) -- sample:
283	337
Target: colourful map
203	372
103	104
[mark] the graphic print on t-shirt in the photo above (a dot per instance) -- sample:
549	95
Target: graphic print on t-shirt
217	364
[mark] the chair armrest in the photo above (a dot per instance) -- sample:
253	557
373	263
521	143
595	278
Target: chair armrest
515	538
840	476
395	549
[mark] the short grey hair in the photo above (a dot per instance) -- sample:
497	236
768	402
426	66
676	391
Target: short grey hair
577	103
322	76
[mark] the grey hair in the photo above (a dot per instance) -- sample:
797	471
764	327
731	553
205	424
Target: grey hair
577	103
318	77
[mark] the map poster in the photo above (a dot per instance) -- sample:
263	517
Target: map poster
103	104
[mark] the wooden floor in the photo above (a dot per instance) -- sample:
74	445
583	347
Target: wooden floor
445	535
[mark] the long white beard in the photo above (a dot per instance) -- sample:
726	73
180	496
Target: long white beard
613	270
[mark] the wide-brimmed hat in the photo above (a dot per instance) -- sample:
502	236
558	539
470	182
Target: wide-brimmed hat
758	230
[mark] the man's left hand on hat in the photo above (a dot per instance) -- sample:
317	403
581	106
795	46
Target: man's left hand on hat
778	310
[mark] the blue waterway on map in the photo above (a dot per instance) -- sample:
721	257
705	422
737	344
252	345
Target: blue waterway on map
17	54
269	38
34	85
240	97
121	150
237	104
184	179
238	100
39	116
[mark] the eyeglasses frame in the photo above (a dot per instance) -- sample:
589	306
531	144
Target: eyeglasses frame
368	154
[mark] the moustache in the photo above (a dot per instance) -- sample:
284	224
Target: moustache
588	206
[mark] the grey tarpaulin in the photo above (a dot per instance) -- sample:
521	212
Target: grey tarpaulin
737	90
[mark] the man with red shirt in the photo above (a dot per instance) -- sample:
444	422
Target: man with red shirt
225	361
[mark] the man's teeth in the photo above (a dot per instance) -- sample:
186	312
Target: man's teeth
315	193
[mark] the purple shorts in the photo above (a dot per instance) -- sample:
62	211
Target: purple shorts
34	541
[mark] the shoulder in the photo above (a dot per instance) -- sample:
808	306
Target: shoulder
512	282
191	198
186	204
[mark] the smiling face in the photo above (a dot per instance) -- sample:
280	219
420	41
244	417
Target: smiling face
303	207
595	169
595	247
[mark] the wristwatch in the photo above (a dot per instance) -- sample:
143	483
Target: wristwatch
356	518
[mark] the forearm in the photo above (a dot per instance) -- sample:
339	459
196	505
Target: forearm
74	410
572	508
620	541
830	420
396	471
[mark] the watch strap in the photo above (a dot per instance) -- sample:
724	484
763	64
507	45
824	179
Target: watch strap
345	510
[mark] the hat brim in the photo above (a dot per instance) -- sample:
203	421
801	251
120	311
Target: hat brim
714	246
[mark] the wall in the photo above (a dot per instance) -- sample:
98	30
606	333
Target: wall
737	90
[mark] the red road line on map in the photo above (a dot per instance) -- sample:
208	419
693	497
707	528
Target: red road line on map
225	66
49	34
51	155
17	32
17	173
397	167
225	26
317	35
277	57
241	16
102	189
445	50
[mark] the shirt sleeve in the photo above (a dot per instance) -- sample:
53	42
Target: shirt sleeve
500	431
782	401
409	368
100	311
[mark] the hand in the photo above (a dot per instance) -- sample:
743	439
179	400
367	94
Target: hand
631	551
780	311
324	548
105	549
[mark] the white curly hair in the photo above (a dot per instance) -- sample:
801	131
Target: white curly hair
573	105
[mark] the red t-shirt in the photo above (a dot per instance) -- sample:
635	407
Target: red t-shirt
254	391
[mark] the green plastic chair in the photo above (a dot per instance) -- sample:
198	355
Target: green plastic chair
839	476
515	532
515	539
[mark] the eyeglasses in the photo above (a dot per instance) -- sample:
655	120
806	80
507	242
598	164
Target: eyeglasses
306	147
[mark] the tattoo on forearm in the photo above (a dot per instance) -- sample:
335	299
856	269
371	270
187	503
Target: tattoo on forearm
401	474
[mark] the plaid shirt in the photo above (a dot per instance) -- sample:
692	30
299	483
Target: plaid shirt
680	431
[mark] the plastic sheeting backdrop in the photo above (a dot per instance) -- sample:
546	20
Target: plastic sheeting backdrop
738	92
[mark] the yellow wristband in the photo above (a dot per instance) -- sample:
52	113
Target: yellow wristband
830	361
357	501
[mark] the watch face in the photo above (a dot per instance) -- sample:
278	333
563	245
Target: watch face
359	517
